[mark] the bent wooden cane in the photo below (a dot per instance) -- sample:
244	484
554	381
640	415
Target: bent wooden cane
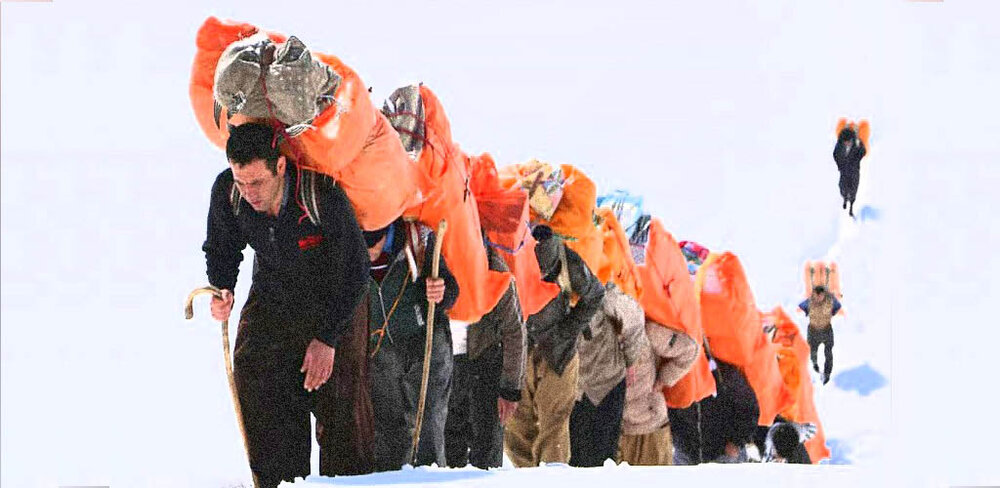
188	314
438	240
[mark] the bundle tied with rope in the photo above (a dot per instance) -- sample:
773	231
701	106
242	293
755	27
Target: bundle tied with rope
319	106
419	118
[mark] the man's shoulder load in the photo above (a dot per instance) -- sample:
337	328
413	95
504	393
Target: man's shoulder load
669	300
242	73
617	265
733	327
418	116
503	212
563	198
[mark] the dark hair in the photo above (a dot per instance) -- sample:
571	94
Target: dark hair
847	134
252	141
819	289
541	233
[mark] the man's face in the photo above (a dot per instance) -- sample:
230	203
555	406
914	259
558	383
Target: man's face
259	186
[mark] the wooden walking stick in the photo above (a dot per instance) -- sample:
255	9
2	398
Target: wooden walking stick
188	314
438	239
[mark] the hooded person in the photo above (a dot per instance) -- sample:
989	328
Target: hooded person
399	291
607	355
820	307
487	380
539	428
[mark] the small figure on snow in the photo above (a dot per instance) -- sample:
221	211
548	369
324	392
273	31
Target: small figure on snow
850	148
820	308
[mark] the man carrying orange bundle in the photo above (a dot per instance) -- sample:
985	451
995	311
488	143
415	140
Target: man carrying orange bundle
308	280
399	295
820	308
487	380
607	358
539	429
850	148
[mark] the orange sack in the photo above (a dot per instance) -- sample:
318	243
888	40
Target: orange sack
503	213
573	218
617	265
418	116
733	327
349	140
793	361
669	299
862	128
822	273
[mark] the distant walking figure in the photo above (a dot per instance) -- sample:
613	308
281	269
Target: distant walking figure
852	141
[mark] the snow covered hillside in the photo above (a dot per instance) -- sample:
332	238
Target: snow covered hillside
720	115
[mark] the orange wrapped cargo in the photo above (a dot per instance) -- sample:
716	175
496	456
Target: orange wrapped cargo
733	327
793	361
418	116
862	128
822	273
573	217
349	140
617	265
503	213
669	299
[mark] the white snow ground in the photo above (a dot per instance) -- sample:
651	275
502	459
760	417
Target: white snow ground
720	115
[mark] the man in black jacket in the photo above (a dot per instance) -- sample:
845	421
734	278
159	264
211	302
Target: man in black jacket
487	380
718	428
848	153
539	429
308	279
398	298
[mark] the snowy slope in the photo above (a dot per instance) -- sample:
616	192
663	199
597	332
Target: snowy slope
721	115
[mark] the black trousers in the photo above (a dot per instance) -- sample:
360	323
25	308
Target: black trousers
817	337
396	372
270	346
473	434
594	430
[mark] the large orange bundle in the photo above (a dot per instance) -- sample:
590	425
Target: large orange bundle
793	361
573	217
617	265
669	299
733	327
818	273
862	128
419	116
503	213
349	140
